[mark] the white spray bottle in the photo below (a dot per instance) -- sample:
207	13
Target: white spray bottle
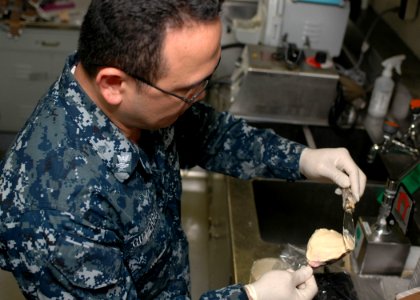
384	86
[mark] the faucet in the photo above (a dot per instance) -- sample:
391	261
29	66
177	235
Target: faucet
412	134
381	227
395	141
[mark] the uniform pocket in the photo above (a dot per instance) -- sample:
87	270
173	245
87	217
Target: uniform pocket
86	264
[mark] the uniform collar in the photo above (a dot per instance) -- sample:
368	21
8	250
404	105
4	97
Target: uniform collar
119	153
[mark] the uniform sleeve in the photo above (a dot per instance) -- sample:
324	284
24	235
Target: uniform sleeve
68	260
232	292
222	143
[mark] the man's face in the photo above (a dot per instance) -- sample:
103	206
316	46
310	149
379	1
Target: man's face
191	55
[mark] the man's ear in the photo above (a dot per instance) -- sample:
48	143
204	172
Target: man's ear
111	84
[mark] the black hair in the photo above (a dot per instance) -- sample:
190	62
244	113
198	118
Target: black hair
128	34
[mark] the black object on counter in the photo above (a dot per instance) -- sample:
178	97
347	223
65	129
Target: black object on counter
321	57
293	56
335	286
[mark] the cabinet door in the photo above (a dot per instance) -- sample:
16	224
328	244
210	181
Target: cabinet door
29	65
26	79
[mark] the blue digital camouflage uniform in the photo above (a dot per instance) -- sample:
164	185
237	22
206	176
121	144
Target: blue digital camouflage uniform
87	214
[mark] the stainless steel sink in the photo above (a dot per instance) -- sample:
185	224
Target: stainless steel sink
289	212
357	141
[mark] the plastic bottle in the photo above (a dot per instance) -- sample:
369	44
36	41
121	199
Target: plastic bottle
384	85
400	106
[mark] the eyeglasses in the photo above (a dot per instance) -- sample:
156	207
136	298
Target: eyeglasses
193	94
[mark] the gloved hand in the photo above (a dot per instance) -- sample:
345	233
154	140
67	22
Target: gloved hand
284	285
334	164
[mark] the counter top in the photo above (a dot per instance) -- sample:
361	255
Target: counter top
65	18
247	245
73	25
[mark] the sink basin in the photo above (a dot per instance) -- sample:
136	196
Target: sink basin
289	212
357	141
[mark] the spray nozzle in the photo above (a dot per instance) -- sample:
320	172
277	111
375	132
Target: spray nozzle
391	63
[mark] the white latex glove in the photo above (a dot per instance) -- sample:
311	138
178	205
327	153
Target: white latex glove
334	164
284	285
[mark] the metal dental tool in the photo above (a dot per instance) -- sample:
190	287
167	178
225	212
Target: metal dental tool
349	203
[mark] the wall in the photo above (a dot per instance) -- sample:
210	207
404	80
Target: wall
409	31
82	4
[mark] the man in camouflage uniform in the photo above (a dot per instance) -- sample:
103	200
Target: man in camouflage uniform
90	190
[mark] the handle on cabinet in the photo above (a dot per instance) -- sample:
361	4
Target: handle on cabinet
38	76
50	44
